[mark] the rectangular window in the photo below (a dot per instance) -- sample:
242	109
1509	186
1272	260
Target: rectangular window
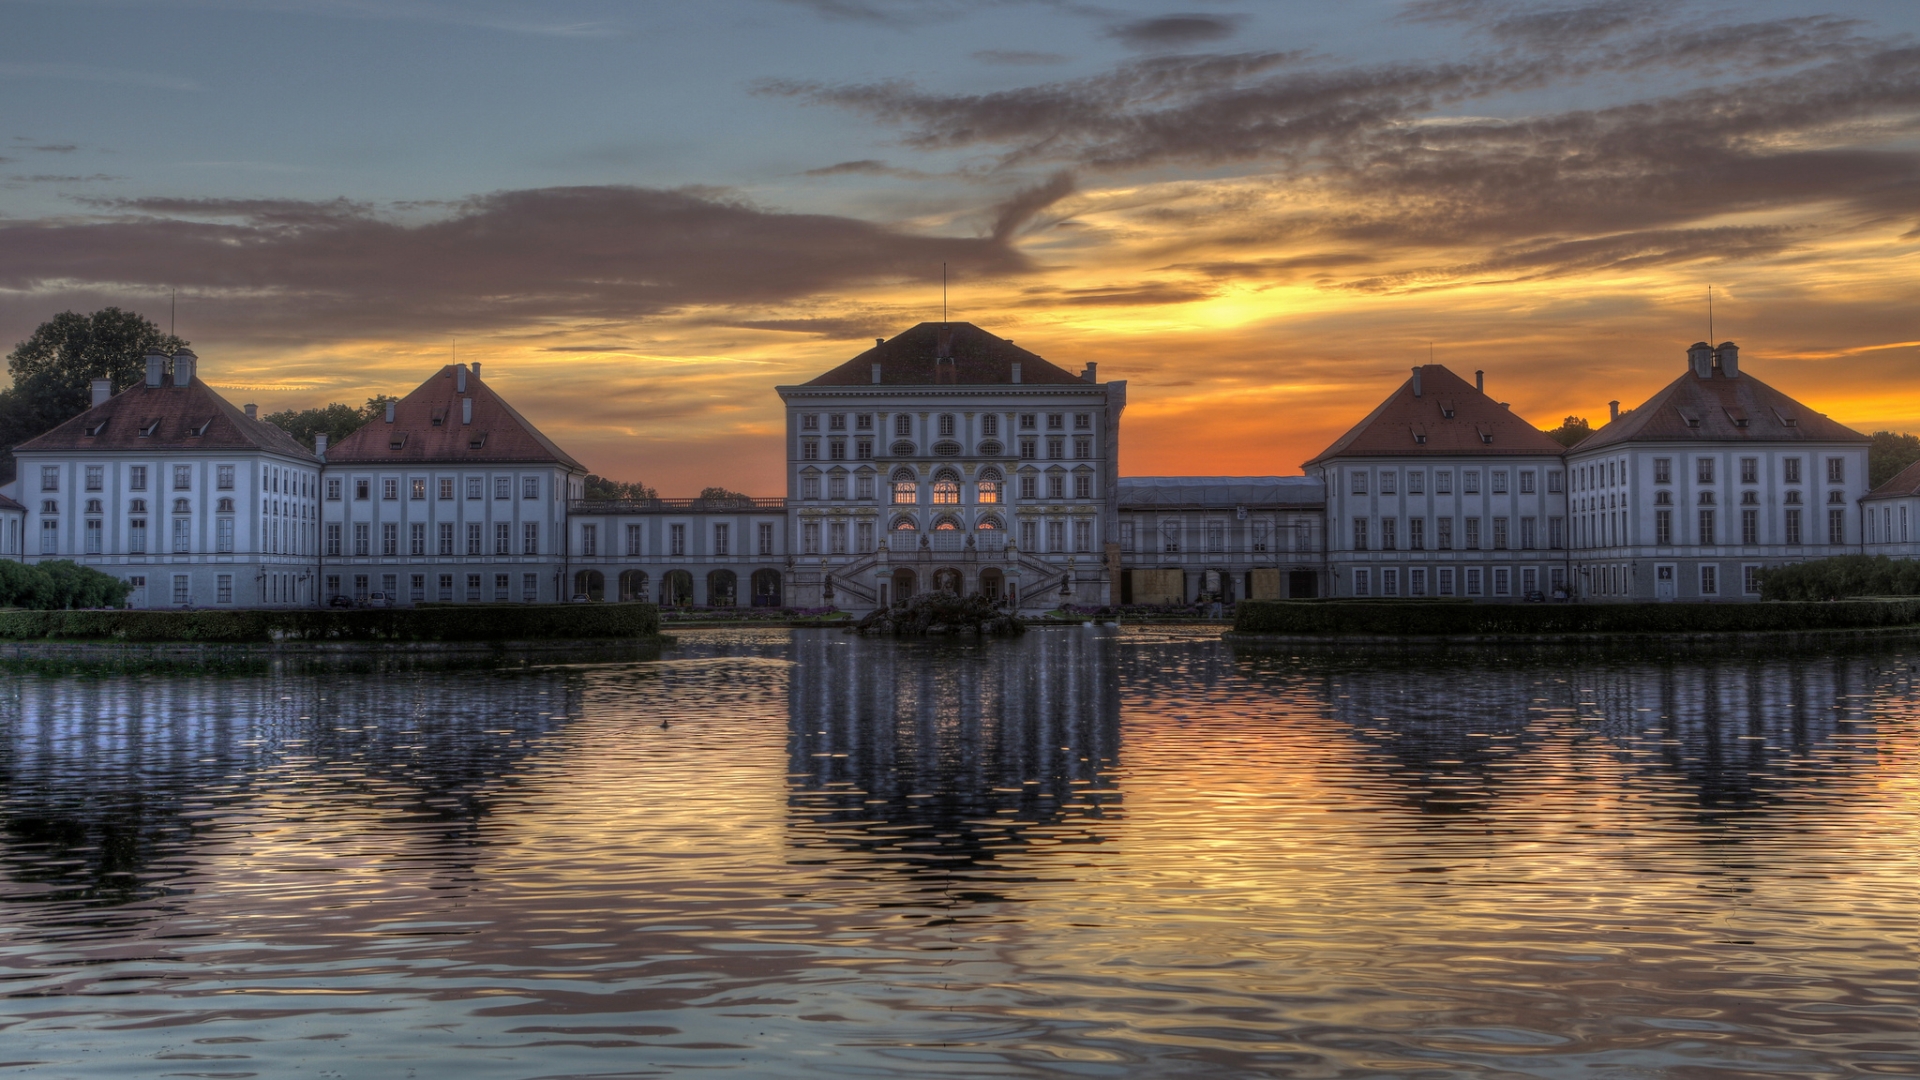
837	450
529	487
1473	581
1389	528
1417	534
1359	534
97	476
1663	527
1082	486
502	588
1416	582
837	538
1530	581
502	538
1749	526
809	449
863	449
1662	470
1529	534
1027	452
529	587
1029	487
862	535
1389	582
333	489
182	535
1499	534
389	539
1526	481
676	539
1709	580
1703	470
1836	470
445	587
1056	448
93	535
1750	580
1556	480
1082	447
863	422
1416	482
333	538
1056	486
1443	482
182	589
809	487
1706	527
1056	536
1056	421
1258	537
473	587
1362	582
503	487
1470	482
473	538
1556	533
1443	533
417	490
809	422
1836	526
137	478
1216	536
902	426
1473	534
1749	470
182	477
863	486
360	489
137	537
1792	466
1388	481
1793	525
634	534
765	531
1169	536
417	587
1502	581
1359	482
721	540
476	487
1443	581
446	538
810	538
446	494
1499	481
223	588
223	534
589	540
49	478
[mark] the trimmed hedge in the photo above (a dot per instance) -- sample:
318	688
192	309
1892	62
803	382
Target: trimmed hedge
1415	619
472	622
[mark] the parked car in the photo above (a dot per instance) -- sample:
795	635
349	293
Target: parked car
379	599
1536	597
340	600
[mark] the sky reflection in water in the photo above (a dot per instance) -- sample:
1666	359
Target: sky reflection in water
1084	853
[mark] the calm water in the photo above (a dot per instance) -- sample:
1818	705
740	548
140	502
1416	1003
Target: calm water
1081	854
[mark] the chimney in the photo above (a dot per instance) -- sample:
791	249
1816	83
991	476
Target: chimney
320	445
466	410
1416	380
879	341
1729	354
476	370
156	367
253	411
389	412
102	390
1016	371
1480	381
459	378
1700	358
1613	411
876	374
1092	374
183	367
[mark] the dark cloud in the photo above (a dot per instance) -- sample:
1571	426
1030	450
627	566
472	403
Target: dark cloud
1561	25
55	148
851	328
1013	214
1019	57
1630	251
1175	31
507	259
51	178
867	167
1145	293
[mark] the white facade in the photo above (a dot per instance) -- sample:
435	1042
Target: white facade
682	552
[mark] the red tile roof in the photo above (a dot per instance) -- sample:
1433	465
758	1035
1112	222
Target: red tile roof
1449	419
919	357
1904	483
173	418
7	503
427	428
1720	409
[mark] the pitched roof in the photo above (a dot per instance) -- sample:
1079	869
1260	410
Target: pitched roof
1449	418
9	503
959	353
1719	408
1222	491
1905	482
427	426
163	418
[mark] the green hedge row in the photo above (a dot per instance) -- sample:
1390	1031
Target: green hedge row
1843	575
472	622
1402	619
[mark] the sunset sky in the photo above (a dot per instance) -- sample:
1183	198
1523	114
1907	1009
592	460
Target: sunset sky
641	216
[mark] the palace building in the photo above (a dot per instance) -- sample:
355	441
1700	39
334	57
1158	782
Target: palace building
948	458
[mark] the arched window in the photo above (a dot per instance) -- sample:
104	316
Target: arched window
946	489
989	524
181	506
946	524
906	491
905	525
225	506
989	486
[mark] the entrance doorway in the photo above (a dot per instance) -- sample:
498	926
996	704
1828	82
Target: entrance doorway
1302	584
1663	583
903	583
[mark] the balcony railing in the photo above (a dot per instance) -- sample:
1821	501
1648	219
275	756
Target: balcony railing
657	506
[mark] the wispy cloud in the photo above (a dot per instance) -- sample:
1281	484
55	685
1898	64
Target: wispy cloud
158	80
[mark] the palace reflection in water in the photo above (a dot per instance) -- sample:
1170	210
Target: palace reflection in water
792	853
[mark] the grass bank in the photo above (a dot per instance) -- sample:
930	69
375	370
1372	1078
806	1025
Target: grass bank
464	623
1416	619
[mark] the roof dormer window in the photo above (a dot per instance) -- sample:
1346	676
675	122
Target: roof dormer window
477	441
95	429
397	441
149	428
1446	410
197	430
1693	421
439	417
1486	436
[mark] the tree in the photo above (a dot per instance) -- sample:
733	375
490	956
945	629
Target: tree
338	420
722	495
1571	431
1888	454
54	368
599	487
